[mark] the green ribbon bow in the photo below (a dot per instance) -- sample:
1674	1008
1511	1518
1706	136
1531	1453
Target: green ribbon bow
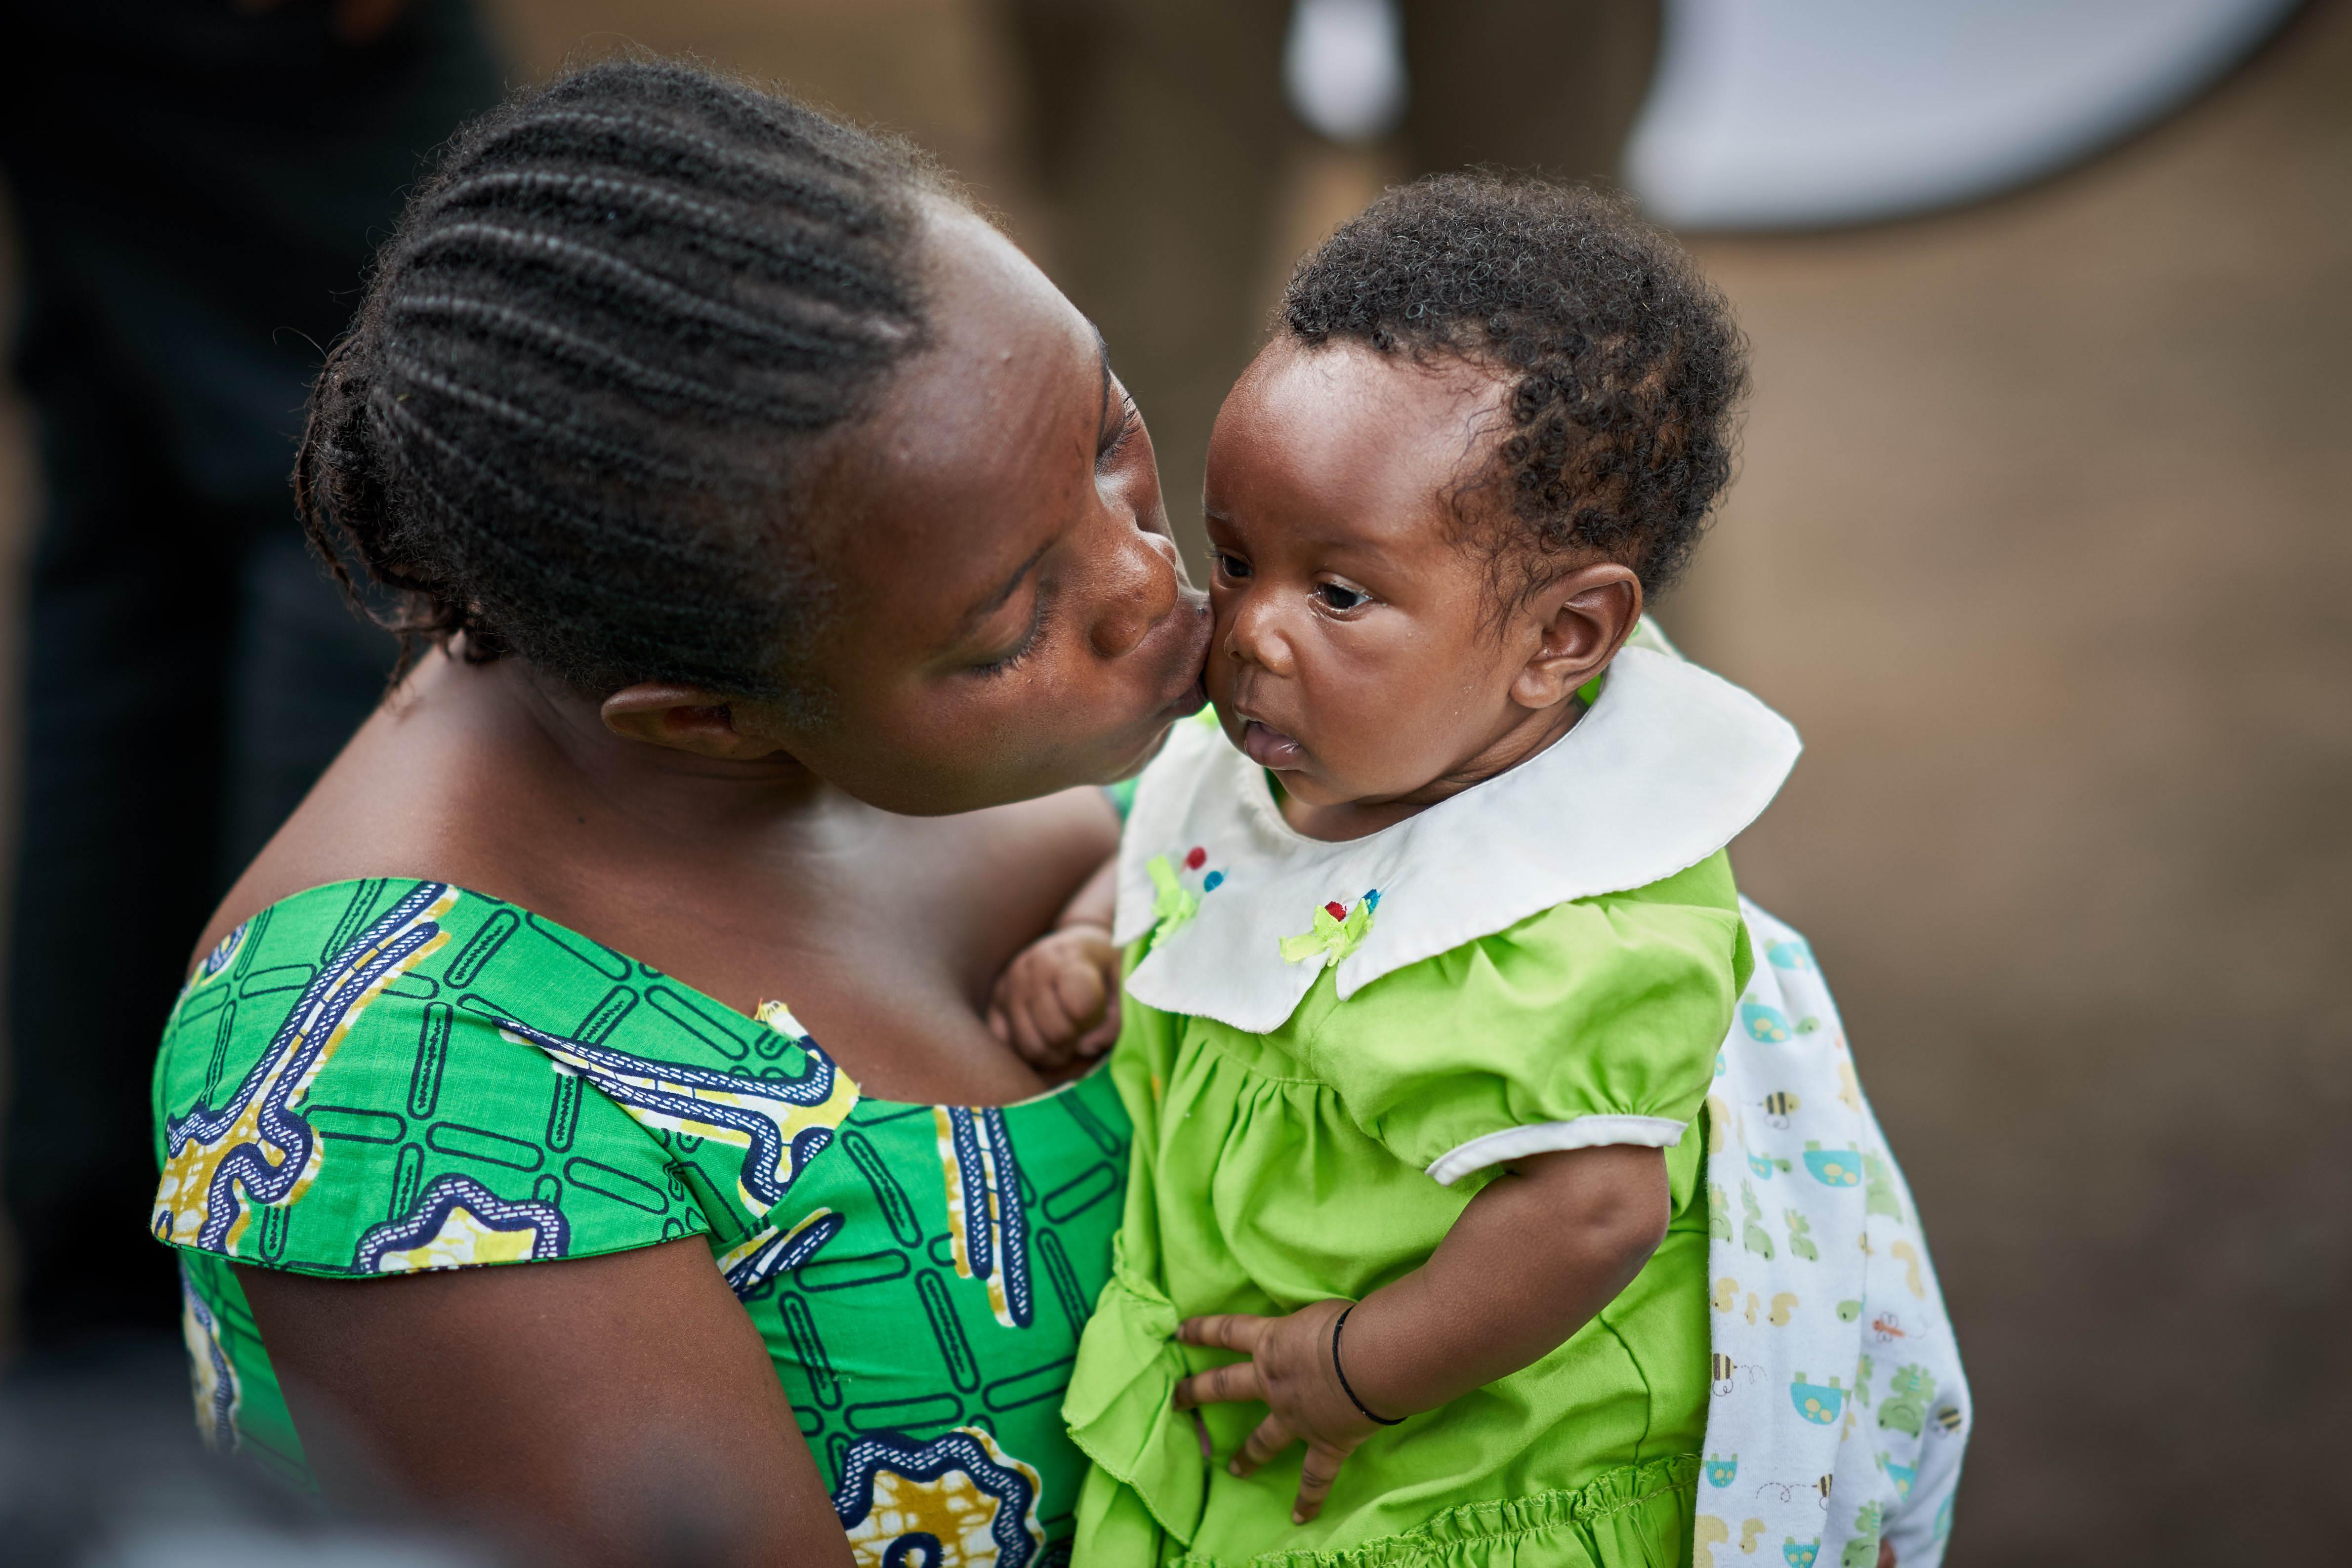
1332	938
1174	905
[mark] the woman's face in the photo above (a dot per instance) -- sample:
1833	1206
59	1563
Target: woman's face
1011	616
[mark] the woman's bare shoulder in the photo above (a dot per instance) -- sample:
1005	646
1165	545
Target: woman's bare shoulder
397	802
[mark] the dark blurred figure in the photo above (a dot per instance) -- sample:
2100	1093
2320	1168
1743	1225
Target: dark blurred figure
100	1468
1160	129
198	185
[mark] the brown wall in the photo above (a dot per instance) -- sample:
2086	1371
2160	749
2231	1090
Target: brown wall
2042	542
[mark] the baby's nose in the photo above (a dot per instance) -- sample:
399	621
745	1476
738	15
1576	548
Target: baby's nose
1256	636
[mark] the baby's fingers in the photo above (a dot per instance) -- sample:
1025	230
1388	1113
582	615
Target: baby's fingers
1271	1437
1103	1035
1000	998
1315	1479
1220	1385
1099	1038
1043	1031
1225	1331
1080	988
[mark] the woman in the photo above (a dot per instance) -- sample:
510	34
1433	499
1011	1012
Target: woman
760	507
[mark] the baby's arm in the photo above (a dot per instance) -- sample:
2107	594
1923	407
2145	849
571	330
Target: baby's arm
1533	1256
1058	999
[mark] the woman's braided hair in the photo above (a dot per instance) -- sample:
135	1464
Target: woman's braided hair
1628	368
572	417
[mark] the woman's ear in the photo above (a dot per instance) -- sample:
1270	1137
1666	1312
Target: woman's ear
1581	620
684	719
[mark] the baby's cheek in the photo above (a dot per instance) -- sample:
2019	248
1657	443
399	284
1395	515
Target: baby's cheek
1217	678
1370	731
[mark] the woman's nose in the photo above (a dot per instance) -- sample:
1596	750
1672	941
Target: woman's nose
1139	592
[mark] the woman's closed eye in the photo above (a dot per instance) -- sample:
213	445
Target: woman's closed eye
1115	438
1010	658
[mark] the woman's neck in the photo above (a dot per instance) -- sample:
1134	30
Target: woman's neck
659	793
491	777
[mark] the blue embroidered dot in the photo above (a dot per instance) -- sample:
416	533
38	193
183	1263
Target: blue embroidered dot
1373	897
1209	883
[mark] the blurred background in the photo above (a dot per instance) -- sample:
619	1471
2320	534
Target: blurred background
2039	538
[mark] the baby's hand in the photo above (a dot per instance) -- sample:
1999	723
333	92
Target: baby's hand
1058	999
1291	1369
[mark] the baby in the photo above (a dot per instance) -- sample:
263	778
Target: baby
1433	948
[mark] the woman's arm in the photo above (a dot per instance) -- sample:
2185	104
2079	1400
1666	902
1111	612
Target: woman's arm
1533	1256
617	1410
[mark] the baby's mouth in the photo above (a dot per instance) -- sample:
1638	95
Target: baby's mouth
1271	748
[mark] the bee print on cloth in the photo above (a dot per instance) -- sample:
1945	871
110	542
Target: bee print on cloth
957	1501
1832	1355
986	1226
256	1150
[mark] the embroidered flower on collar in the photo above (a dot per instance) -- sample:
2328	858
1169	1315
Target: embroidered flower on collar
1174	903
1336	931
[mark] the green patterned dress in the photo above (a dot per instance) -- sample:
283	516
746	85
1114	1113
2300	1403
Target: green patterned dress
385	1076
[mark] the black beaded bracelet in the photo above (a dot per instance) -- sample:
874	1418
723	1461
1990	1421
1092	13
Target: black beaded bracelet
1339	1323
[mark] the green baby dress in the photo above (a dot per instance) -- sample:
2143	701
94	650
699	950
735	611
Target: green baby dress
386	1076
1328	1048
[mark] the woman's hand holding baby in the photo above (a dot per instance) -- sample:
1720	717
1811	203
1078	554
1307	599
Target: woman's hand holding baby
1538	1253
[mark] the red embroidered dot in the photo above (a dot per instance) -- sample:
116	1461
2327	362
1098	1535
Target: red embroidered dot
1337	911
1193	861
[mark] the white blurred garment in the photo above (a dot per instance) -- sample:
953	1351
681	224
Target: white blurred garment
1789	113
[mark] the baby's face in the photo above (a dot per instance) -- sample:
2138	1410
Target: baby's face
1356	652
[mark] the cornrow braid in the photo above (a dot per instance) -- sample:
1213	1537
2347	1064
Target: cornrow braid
1626	367
571	418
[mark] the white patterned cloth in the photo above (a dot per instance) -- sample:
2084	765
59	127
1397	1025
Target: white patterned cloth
1839	1409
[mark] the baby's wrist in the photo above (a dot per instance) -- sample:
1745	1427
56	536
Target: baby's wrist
1348	1387
1369	1355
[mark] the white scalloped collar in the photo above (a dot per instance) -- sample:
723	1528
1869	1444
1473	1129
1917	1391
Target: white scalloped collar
1668	767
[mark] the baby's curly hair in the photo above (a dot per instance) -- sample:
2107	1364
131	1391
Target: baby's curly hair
1628	365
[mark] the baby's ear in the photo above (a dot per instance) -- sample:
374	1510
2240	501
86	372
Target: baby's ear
1581	620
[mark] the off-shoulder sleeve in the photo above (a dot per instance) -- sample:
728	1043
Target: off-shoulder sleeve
387	1077
1594	1023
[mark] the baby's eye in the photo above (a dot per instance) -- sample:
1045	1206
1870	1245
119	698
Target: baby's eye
1338	596
1232	566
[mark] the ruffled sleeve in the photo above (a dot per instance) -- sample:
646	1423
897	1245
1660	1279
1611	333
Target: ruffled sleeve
1594	1023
